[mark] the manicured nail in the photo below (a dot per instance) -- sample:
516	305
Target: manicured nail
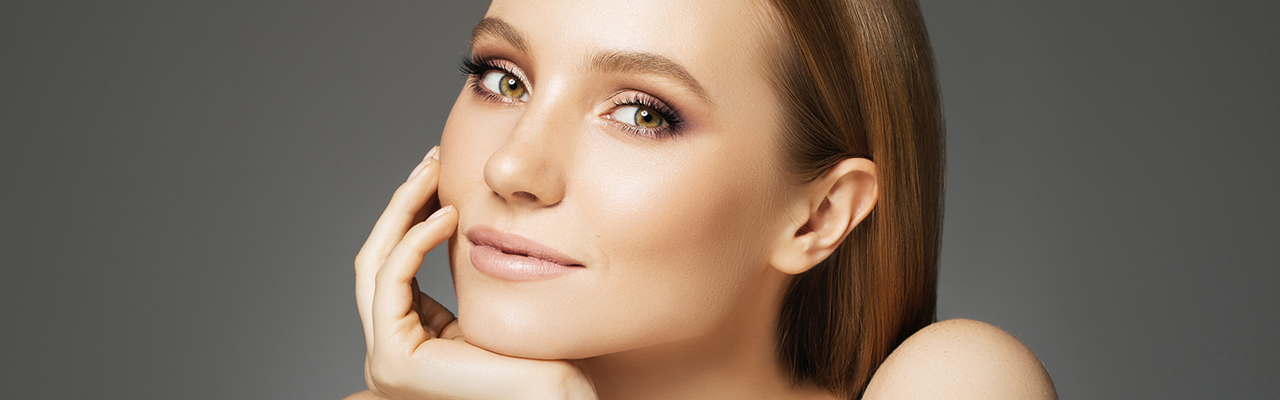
439	212
430	156
417	169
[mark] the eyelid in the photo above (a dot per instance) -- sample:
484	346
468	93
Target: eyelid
673	121
634	109
511	68
639	98
478	66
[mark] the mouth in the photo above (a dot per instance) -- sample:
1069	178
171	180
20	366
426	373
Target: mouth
516	258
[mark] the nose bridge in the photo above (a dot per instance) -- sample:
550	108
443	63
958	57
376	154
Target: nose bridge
530	169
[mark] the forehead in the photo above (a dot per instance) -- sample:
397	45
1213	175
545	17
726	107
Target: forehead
718	41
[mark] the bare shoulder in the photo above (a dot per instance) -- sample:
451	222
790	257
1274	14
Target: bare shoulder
961	359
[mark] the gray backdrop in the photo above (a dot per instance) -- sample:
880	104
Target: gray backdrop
185	185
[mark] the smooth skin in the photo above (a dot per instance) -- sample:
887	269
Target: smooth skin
407	359
689	239
414	345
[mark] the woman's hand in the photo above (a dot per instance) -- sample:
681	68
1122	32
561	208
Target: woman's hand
414	346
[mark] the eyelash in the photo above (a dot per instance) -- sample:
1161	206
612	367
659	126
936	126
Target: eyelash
474	68
674	121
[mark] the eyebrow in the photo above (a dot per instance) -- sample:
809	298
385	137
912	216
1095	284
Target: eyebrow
618	62
497	27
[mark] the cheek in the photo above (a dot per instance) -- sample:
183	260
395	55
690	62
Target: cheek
666	209
684	234
470	135
678	229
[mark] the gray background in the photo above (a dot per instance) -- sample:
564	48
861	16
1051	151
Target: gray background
185	184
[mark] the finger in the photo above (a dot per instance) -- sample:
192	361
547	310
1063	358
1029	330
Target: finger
407	207
433	315
407	204
452	331
417	304
436	316
457	369
394	321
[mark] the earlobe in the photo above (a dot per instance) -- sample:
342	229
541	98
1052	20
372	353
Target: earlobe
831	206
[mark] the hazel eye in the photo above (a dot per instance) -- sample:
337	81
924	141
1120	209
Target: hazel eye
505	84
638	116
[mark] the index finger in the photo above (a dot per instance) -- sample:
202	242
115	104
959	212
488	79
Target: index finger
408	206
393	299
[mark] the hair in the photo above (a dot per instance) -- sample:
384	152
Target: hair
857	79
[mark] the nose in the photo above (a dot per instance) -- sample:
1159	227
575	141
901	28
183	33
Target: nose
529	170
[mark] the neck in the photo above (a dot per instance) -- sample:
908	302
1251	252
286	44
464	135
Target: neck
736	360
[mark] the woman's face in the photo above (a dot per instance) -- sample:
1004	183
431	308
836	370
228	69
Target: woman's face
635	144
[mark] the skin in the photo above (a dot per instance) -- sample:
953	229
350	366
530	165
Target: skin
689	237
555	169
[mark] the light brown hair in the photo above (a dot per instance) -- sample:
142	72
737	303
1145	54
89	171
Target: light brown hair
857	79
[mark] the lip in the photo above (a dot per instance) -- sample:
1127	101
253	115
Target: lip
516	258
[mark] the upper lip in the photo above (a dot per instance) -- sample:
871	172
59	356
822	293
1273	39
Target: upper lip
484	235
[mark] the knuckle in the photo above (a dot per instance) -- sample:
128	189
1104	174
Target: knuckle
365	266
382	376
416	241
364	260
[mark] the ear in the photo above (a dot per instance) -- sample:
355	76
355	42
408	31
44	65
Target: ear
824	213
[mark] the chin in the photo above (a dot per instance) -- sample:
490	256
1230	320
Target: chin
513	329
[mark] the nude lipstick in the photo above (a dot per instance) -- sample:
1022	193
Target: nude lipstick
516	258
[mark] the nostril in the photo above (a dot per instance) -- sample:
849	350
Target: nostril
525	196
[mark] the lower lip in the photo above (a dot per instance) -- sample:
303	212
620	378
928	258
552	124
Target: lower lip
517	268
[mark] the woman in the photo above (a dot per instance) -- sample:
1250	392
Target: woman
683	199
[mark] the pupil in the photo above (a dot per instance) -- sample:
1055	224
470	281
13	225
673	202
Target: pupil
511	83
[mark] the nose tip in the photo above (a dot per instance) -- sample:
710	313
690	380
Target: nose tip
524	176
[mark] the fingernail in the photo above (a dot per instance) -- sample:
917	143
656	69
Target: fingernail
417	169
430	156
434	153
439	212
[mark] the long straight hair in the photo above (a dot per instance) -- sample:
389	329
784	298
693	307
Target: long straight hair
857	78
